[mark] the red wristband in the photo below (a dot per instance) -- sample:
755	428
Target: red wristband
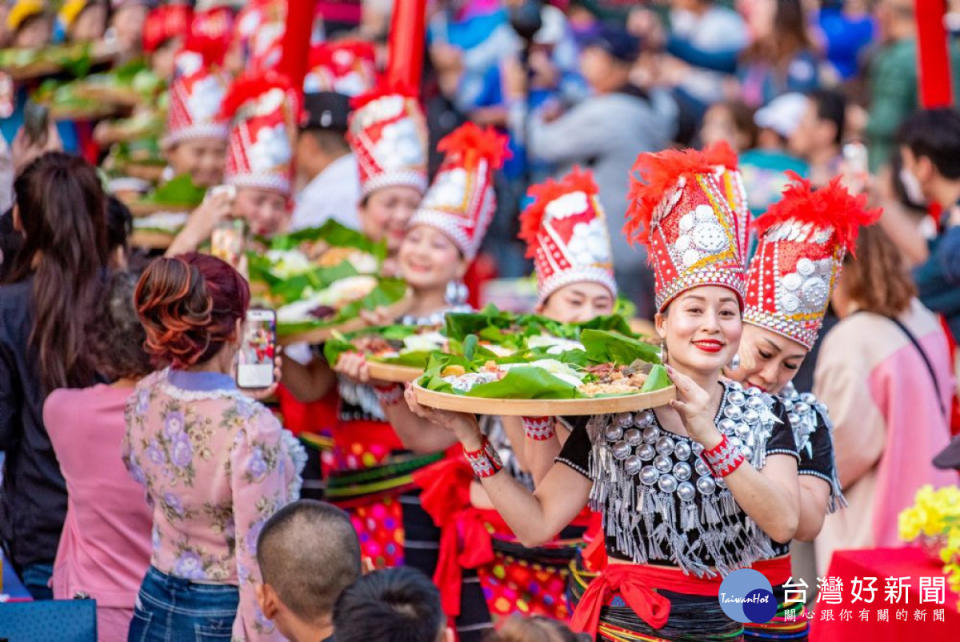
389	395
538	428
485	461
724	458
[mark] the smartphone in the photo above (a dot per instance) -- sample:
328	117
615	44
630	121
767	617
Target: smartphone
227	241
855	167
36	121
255	359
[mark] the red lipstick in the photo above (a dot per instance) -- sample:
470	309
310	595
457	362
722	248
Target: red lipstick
709	345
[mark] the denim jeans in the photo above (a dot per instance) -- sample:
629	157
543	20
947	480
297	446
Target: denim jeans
170	608
36	579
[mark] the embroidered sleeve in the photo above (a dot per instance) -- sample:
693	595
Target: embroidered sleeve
781	441
262	476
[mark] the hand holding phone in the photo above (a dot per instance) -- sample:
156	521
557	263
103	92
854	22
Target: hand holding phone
255	361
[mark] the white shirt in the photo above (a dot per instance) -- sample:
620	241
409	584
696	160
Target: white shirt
333	193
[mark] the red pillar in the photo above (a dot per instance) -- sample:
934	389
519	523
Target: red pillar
296	41
933	58
407	41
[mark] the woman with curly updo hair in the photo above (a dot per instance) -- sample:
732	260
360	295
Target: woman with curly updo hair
215	463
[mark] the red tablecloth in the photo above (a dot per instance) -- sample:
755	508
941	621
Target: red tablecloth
920	614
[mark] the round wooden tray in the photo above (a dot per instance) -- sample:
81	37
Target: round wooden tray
141	208
152	239
123	96
543	407
92	113
392	372
351	325
152	173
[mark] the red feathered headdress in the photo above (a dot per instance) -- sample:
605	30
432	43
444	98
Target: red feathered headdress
164	23
348	67
388	135
196	94
263	114
566	234
802	241
461	201
679	208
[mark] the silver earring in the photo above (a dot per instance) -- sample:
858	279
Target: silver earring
735	362
663	351
456	293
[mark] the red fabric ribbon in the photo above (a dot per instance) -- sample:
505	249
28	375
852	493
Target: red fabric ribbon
464	539
638	584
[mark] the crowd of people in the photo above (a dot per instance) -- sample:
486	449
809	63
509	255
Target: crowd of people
756	180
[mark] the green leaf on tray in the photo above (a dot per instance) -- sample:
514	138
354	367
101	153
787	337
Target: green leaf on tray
387	292
603	346
657	379
334	234
178	191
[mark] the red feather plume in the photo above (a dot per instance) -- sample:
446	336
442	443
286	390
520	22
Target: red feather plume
720	153
212	48
322	54
651	177
248	87
543	194
831	205
381	90
472	144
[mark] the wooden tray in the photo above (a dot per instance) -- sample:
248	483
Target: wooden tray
392	372
152	173
543	407
93	113
152	239
123	96
141	208
351	325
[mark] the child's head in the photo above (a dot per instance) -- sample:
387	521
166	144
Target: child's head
308	554
29	24
731	122
265	210
578	302
429	259
203	158
385	212
391	604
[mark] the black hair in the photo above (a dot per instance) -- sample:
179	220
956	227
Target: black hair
832	106
62	208
114	333
329	141
308	552
119	223
935	134
393	605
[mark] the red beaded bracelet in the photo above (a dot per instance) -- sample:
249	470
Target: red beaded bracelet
724	458
485	461
538	428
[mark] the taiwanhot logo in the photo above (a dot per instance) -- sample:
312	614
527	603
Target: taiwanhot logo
746	596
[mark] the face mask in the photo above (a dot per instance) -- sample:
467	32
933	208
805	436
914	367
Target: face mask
911	187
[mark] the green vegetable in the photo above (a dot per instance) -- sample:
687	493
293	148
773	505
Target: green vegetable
179	191
469	347
387	292
609	347
657	379
333	234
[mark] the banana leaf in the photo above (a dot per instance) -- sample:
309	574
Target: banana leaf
292	288
387	292
603	346
656	379
340	343
334	234
178	191
521	382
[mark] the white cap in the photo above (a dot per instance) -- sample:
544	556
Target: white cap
782	114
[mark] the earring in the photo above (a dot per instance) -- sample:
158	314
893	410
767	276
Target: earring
735	362
663	350
456	293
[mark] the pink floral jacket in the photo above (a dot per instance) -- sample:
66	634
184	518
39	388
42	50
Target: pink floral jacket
216	465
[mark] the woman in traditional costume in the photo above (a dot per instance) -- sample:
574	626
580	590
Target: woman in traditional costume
685	500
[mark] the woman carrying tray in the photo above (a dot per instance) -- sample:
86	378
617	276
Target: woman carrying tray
684	500
803	240
442	238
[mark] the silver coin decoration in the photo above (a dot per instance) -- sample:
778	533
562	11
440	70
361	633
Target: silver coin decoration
733	412
649	475
632	465
632	437
686	492
741	429
665	445
621	450
624	420
736	398
753	392
682	471
644	419
701	467
726	424
755	403
682	450
747	452
613	433
706	485
751	416
663	464
667	483
647	452
793	418
651	434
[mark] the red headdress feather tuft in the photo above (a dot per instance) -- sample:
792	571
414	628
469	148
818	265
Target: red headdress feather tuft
831	205
247	87
322	54
545	192
652	176
472	144
211	48
720	153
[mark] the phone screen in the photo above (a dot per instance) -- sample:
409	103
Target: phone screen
255	359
